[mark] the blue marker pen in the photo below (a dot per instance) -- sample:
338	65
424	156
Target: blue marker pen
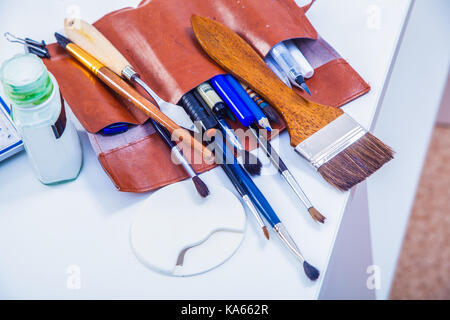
237	106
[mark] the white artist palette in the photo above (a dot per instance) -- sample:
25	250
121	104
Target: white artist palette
176	220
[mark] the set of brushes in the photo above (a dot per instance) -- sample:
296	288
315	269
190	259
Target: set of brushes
341	150
118	85
248	188
206	93
246	198
252	196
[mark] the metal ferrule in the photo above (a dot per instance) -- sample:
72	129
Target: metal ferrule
129	73
176	150
288	241
296	187
329	141
253	210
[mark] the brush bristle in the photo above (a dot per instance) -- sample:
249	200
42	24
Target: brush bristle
201	187
316	215
356	162
251	163
266	232
310	271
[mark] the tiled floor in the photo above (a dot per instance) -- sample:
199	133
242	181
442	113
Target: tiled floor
423	270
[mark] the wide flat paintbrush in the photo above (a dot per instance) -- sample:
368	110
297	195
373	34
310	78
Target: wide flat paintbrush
122	88
341	150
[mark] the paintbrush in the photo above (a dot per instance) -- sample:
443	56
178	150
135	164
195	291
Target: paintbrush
197	106
95	43
125	90
91	40
341	150
264	207
285	173
245	197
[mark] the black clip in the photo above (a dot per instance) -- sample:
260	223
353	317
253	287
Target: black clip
32	46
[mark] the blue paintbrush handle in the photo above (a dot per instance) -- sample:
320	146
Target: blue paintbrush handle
256	196
243	95
237	106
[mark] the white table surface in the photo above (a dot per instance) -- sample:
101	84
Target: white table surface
46	229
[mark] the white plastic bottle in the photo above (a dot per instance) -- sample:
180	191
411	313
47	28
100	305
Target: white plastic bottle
38	110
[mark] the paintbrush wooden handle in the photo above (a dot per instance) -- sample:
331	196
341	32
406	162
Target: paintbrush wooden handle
87	37
82	33
122	88
234	54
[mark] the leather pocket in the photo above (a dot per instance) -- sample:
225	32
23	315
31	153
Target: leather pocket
335	82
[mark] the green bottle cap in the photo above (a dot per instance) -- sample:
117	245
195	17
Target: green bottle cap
26	80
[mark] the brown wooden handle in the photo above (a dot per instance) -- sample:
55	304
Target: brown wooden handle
234	54
87	37
126	91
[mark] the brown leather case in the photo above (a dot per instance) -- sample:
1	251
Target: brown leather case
156	37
